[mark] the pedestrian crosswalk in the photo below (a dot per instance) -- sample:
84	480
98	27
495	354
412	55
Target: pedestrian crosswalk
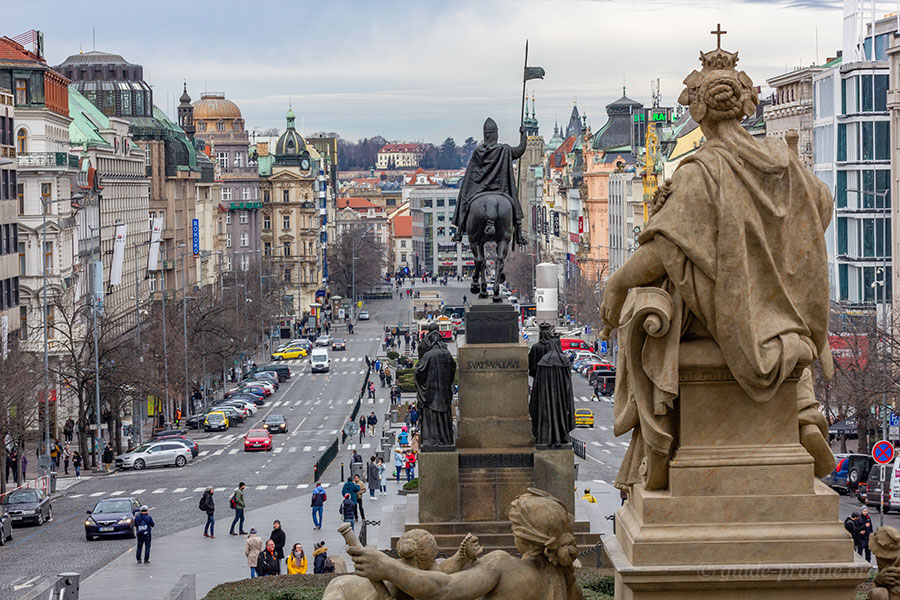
181	490
276	449
607	399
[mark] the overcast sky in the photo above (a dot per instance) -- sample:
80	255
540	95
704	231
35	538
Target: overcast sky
428	69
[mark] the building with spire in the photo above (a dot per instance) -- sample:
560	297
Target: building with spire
530	178
290	219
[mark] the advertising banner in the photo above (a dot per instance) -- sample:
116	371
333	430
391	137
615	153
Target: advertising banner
155	237
115	272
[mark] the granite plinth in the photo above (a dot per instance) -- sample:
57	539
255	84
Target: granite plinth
491	323
554	472
438	485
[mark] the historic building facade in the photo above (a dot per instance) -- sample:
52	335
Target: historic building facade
9	229
399	156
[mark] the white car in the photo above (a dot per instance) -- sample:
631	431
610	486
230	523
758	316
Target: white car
267	385
364	315
319	360
323	340
250	406
155	454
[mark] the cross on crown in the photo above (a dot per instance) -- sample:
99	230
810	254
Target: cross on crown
718	58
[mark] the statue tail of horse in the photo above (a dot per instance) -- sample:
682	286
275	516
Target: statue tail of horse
489	228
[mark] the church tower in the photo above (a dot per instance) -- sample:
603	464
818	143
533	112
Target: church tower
186	113
531	174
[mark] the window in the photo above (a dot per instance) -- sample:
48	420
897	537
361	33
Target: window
22	270
228	263
243	216
245	262
228	240
22	141
267	248
23	322
51	333
842	142
403	243
226	195
267	222
286	248
286	195
881	88
238	160
20	194
286	222
21	91
228	217
202	126
245	240
220	126
48	256
427	203
139	103
222	160
126	103
245	193
403	257
287	275
440	202
452	202
882	140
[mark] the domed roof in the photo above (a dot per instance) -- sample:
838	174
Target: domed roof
95	57
290	143
215	106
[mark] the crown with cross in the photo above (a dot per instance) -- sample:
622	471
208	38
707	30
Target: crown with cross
718	58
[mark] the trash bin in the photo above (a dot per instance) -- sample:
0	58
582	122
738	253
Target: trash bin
52	482
358	469
394	414
379	454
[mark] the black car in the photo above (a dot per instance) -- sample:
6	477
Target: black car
283	371
251	397
275	424
169	433
195	421
183	439
27	505
111	516
339	344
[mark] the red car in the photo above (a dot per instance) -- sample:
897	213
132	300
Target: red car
257	439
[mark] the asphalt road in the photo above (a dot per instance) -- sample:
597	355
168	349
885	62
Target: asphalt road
315	407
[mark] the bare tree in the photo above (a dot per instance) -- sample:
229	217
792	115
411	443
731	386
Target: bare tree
368	267
20	376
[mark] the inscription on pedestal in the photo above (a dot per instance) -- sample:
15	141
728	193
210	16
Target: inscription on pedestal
492	324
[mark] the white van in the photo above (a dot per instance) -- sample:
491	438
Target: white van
319	360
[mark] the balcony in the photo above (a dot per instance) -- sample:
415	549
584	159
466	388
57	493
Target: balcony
168	233
47	159
168	265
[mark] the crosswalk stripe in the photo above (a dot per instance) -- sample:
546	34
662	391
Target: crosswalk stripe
203	453
603	427
219	489
117	493
596	444
302	486
350	401
278	449
218	452
262	487
178	490
367	445
307	448
159	490
599	481
199	489
233	451
325	485
292	449
277	403
584	399
136	492
624	444
75	495
613	444
95	494
280	487
322	448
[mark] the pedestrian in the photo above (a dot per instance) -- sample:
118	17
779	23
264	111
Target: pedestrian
403	438
373	479
381	375
398	463
371	390
69	429
851	524
107	457
377	366
267	562
381	469
596	386
279	538
410	464
348	511
350	328
414	442
296	561
413	345
388	376
865	530
54	455
76	463
356	457
321	562
252	548
588	496
362	427
67	456
372	421
12	464
208	505
318	503
360	495
413	416
238	504
24	468
143	527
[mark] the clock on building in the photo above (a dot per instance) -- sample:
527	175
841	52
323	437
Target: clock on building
304	164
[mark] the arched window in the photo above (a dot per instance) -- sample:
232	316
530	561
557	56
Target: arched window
22	141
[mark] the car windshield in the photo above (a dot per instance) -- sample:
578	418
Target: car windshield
21	496
275	419
141	448
338	340
112	506
255	433
215	417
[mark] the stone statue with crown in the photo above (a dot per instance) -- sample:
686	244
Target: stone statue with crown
722	312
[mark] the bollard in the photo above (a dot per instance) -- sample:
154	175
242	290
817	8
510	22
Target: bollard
68	585
342	471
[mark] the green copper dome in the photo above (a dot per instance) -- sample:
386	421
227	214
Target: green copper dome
290	145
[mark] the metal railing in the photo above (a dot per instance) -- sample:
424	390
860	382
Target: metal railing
327	457
580	448
47	159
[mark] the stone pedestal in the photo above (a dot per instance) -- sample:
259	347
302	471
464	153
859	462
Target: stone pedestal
744	515
438	486
490	322
554	472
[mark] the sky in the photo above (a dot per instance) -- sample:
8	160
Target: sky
426	70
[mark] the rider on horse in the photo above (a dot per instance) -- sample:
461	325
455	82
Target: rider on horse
490	170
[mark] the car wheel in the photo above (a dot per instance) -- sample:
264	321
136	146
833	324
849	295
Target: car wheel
40	518
853	476
180	461
139	464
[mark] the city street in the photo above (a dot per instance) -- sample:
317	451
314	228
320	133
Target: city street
315	407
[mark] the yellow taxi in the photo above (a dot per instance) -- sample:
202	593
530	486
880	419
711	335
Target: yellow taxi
584	417
289	353
215	421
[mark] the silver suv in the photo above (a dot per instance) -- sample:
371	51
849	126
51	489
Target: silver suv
155	454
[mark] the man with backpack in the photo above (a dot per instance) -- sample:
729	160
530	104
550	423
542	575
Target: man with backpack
208	505
143	527
237	504
318	503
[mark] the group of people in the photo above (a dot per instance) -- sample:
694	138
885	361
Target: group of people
60	455
860	527
367	424
354	491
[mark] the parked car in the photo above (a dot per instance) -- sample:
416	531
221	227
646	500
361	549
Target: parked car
323	340
27	505
188	443
363	315
584	417
155	454
302	342
284	371
234	416
861	491
267	376
338	344
289	353
259	390
257	400
850	470
275	424
570	343
111	516
257	439
215	421
874	489
6	534
169	432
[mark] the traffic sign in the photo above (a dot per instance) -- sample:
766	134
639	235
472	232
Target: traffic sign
883	452
604	346
895	419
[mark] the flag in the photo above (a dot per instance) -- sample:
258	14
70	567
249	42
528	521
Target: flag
534	73
155	237
115	273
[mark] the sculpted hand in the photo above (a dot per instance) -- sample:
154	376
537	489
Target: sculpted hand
889	576
470	548
370	563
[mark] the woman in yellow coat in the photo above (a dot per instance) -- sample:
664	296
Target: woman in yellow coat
296	561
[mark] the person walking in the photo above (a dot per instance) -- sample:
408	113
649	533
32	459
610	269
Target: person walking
318	504
351	488
76	463
107	457
388	377
379	465
362	427
67	456
68	429
348	510
238	504
410	464
279	538
398	463
372	421
252	548
321	562
413	416
851	524
267	562
296	561
373	479
371	390
864	531
24	468
208	505
403	437
360	495
356	457
381	374
143	527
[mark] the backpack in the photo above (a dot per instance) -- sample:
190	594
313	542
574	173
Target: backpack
329	565
202	505
231	502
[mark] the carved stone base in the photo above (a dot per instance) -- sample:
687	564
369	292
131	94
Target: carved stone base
491	323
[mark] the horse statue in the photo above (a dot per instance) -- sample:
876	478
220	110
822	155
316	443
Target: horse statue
490	219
